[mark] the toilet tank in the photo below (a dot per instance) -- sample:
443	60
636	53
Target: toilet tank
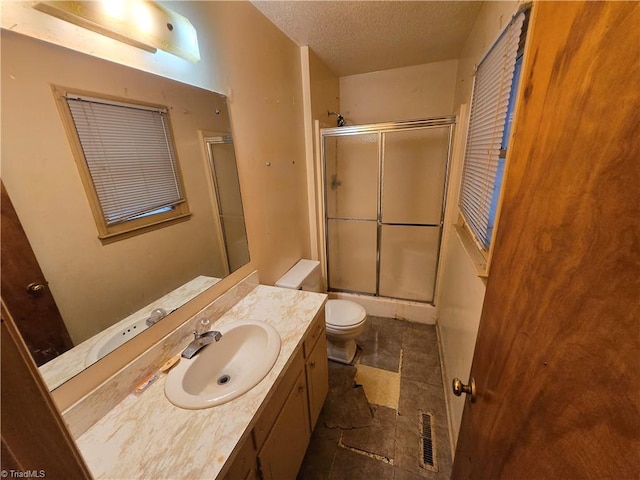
304	275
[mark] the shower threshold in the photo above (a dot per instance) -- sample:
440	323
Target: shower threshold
409	310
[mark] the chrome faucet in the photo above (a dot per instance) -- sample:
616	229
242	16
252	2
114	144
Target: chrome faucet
200	341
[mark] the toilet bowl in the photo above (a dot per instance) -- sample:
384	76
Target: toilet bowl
344	319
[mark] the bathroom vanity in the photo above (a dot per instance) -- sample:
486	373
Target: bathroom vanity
261	434
279	439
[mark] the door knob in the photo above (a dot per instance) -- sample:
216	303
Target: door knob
35	289
459	388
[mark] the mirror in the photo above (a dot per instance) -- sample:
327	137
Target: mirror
106	292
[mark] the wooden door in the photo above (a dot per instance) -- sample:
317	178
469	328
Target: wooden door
558	350
35	438
35	312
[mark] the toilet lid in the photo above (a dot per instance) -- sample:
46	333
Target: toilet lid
344	313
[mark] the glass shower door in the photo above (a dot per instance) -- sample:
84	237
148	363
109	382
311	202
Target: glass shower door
351	179
384	206
414	169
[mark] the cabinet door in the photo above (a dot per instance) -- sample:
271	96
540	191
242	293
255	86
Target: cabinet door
245	465
317	369
277	400
282	453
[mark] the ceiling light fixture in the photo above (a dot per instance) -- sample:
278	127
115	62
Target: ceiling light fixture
143	24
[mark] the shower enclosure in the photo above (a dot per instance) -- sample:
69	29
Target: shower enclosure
384	200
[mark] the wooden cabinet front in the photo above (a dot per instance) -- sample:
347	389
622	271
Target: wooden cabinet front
283	451
277	400
244	466
317	370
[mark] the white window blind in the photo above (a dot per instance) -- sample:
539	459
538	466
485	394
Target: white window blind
130	155
490	100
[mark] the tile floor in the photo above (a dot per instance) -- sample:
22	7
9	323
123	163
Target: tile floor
373	431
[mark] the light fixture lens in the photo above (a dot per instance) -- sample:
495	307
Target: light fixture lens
143	24
114	8
193	36
142	17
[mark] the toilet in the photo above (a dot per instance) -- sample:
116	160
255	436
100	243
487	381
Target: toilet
344	319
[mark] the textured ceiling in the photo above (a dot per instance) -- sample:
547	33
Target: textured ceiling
354	37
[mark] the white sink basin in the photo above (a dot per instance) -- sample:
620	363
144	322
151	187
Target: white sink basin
226	369
109	342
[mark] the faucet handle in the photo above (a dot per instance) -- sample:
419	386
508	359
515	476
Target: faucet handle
203	325
155	316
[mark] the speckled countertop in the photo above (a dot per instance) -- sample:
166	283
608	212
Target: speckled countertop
147	437
73	361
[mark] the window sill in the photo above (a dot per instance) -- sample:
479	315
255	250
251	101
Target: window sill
116	236
478	260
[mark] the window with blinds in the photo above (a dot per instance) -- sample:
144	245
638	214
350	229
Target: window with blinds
492	104
130	158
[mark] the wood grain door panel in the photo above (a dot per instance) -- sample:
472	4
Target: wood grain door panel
34	434
36	316
558	351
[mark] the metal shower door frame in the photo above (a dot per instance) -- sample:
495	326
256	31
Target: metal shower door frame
380	129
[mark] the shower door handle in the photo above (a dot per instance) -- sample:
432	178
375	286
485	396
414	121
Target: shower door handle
459	388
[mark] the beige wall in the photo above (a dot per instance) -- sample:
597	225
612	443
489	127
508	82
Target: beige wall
399	94
492	18
321	89
461	291
247	58
325	91
96	285
263	70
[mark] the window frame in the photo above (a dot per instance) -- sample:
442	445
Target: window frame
108	233
479	255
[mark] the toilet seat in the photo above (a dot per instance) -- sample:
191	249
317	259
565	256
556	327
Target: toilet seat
344	319
344	315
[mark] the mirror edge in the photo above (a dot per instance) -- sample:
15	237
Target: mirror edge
92	377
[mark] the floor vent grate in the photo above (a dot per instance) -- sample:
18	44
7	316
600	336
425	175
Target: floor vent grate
428	458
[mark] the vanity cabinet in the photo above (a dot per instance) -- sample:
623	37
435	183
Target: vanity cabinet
317	371
281	455
244	467
280	435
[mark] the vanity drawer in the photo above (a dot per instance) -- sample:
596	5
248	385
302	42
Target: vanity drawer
317	328
277	400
